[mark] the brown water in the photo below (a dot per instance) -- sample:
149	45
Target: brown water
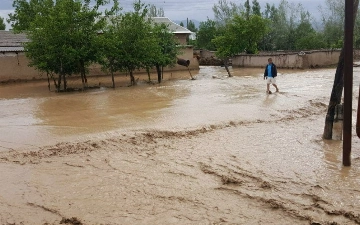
208	151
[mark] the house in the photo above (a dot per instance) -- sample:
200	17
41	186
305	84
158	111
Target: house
181	33
13	62
11	42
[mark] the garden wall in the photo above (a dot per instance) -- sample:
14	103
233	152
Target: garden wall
14	66
299	60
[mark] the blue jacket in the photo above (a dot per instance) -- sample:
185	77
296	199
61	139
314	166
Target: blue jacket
273	70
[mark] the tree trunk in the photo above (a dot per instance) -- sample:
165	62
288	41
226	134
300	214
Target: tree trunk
336	93
226	61
82	79
162	72
192	78
132	78
65	83
55	84
158	70
85	77
59	83
148	72
82	75
112	79
48	79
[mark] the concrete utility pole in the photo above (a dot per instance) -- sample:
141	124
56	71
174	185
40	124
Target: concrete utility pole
348	80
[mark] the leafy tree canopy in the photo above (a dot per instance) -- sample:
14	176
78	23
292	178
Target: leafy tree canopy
62	39
2	24
155	12
207	32
240	35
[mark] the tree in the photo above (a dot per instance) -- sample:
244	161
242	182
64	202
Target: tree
271	16
155	12
224	11
240	35
62	40
89	22
256	9
337	89
2	24
289	25
130	42
247	9
207	32
306	36
181	24
26	11
191	26
333	14
310	41
168	49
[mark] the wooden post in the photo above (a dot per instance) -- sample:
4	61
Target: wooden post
338	123
358	117
348	80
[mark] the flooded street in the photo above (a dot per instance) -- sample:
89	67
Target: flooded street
214	150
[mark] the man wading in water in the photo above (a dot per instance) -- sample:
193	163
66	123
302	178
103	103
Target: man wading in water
270	74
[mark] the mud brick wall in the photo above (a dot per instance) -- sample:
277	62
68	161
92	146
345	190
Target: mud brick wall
14	66
298	60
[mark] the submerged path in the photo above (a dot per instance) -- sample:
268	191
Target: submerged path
209	151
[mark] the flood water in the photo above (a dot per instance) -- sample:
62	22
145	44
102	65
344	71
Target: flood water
205	151
32	115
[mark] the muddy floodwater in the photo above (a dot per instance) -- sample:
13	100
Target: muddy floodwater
214	150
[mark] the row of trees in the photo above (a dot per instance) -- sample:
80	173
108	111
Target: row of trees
287	26
67	36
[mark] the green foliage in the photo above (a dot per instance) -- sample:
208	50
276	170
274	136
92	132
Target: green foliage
62	40
131	42
333	22
224	11
2	24
169	49
26	11
240	35
310	41
191	26
288	24
306	37
207	32
155	12
247	9
256	9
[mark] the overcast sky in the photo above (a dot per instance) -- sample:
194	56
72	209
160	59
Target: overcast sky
182	9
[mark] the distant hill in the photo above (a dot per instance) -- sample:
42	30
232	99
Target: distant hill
196	22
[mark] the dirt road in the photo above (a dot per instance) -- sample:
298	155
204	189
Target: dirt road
209	151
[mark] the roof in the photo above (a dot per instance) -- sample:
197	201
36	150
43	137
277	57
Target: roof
12	42
174	27
11	49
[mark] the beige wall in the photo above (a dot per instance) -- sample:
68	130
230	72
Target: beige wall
15	67
182	38
321	59
311	59
186	53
